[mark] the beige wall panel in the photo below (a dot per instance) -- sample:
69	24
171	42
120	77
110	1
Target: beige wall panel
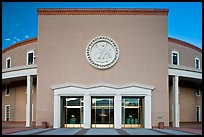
186	55
142	41
17	100
188	101
20	101
19	55
187	104
9	100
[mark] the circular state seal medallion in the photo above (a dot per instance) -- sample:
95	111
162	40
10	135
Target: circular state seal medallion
102	52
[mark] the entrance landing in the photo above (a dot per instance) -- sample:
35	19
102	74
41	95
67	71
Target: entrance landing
101	131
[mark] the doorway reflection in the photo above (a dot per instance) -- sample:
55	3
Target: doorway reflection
132	112
73	112
102	112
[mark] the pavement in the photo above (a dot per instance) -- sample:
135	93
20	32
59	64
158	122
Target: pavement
193	130
101	131
13	130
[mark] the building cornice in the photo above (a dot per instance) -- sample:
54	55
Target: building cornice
19	71
183	43
97	85
19	44
186	68
184	71
19	68
53	11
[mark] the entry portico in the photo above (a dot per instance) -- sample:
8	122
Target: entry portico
102	90
22	73
185	72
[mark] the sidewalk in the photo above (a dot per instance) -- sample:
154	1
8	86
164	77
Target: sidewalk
35	131
24	131
189	130
101	131
168	131
13	130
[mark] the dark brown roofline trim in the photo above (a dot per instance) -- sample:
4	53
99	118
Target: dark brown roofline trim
53	11
19	44
180	42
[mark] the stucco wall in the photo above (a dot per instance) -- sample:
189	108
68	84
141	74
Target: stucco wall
188	101
17	100
186	55
19	55
143	45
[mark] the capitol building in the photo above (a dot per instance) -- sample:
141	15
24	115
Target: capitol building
102	68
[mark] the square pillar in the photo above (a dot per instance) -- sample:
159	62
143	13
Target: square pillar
117	111
56	111
87	111
147	112
29	101
176	109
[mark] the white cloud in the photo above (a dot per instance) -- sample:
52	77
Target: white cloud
7	39
27	36
15	38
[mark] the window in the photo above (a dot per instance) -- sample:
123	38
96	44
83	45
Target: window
197	92
7	92
132	112
197	63
175	58
30	57
73	111
7	113
8	62
198	113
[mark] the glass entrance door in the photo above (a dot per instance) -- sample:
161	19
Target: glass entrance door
102	112
132	112
73	112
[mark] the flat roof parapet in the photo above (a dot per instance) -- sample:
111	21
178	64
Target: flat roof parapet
99	11
19	44
186	44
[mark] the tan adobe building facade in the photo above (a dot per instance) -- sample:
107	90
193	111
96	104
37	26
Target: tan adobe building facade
102	68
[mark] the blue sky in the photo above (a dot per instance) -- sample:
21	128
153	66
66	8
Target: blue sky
19	19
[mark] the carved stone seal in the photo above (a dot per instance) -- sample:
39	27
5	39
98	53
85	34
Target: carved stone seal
102	52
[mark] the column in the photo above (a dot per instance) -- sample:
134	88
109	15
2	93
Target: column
87	111
29	101
176	101
117	111
56	111
147	112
